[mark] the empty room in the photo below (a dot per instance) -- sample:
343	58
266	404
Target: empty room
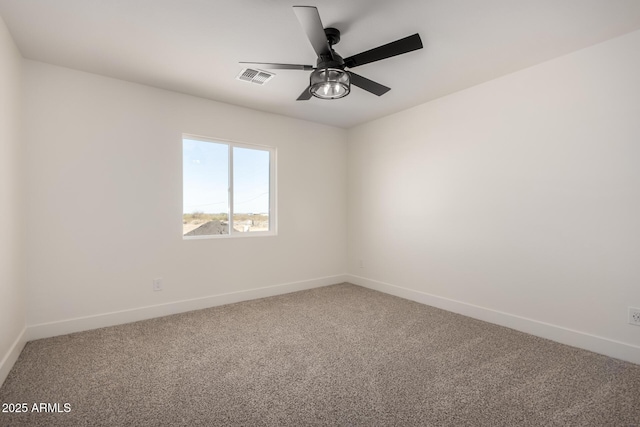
363	213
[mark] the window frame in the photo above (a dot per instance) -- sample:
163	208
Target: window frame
272	187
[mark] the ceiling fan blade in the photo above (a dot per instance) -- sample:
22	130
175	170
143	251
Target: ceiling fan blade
274	66
368	85
388	50
310	20
306	95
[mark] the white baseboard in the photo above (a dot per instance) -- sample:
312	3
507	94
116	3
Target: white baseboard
608	347
78	324
12	355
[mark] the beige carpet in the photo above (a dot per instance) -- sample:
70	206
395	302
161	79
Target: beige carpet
339	355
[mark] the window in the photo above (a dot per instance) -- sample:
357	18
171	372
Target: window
228	188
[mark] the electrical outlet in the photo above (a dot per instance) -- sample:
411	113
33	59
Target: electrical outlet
157	284
361	263
634	316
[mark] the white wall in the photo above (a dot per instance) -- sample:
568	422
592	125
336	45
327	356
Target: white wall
520	196
104	207
12	295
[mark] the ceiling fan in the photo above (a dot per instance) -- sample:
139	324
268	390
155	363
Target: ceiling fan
329	79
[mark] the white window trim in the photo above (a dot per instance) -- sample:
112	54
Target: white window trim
273	222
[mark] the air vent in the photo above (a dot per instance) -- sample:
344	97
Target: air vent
254	76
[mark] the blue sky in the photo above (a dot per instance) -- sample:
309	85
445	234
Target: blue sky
206	172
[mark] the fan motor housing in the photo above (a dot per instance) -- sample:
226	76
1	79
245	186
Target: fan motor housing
329	62
334	60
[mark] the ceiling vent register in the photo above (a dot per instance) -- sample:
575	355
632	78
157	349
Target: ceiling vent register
255	76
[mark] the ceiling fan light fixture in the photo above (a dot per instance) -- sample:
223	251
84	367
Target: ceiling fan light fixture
329	83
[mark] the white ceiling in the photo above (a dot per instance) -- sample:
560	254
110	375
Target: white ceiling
194	46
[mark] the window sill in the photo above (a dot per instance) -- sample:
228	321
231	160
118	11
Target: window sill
232	236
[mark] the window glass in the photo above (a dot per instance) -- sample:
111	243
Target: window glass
228	188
